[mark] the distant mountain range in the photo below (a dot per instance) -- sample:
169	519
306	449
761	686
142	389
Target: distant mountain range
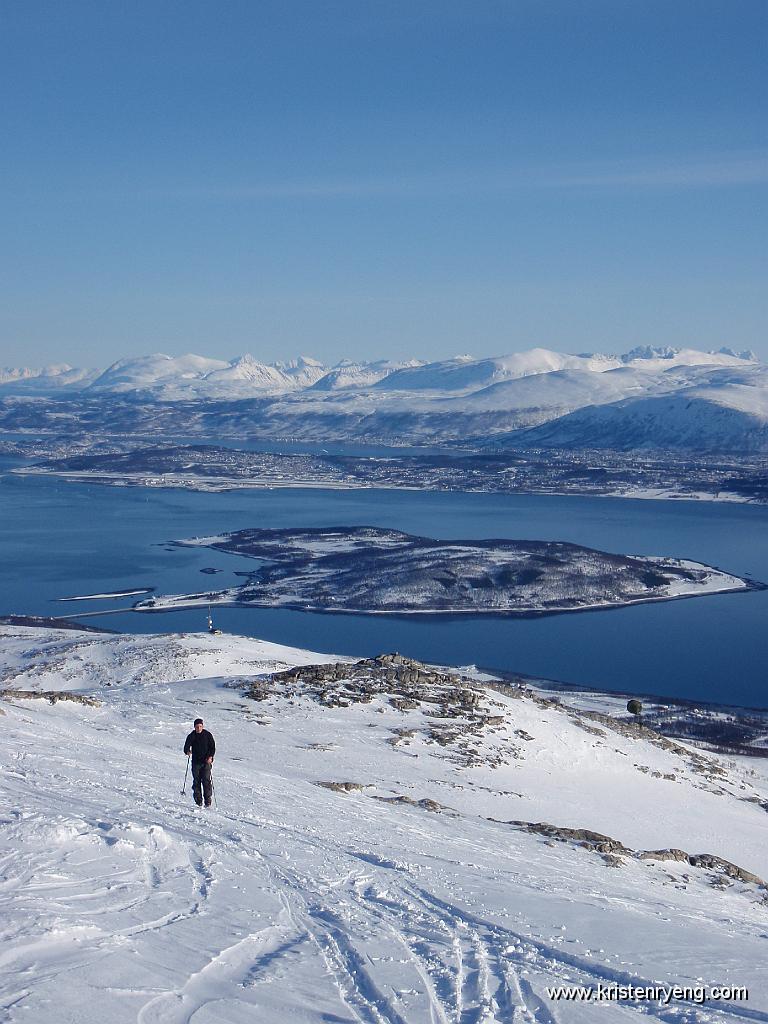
175	378
646	398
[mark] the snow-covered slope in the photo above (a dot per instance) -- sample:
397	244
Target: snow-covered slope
412	402
246	377
147	372
497	409
190	376
555	393
377	852
661	358
727	417
45	379
464	374
302	372
347	374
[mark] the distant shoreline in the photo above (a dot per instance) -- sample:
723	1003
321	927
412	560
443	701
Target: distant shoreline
462	613
219	485
108	595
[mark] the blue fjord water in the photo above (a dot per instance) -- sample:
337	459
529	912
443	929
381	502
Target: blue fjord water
59	539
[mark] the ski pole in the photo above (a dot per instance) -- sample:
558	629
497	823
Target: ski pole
184	789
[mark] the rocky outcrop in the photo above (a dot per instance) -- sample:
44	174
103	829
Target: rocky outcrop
598	724
342	787
613	850
709	767
407	683
426	804
50	695
456	708
709	861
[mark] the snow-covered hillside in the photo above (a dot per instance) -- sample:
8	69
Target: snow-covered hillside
360	375
465	374
190	376
47	378
721	417
390	845
139	373
506	408
722	399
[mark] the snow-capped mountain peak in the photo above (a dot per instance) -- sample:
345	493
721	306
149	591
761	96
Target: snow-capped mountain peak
446	400
302	372
146	372
463	374
47	378
686	356
347	375
248	369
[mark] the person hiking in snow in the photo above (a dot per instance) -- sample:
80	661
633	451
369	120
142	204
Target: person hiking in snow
200	746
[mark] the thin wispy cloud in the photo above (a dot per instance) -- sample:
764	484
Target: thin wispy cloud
718	172
726	171
307	189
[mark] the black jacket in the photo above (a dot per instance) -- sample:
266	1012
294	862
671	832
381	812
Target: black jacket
201	745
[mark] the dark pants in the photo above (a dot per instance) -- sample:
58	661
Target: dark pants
201	776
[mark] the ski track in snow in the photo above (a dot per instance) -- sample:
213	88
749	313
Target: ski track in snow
120	899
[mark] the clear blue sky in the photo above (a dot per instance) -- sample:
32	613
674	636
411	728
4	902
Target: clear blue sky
363	178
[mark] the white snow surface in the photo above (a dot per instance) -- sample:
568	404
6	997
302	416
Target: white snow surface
347	374
46	378
191	376
721	417
649	397
465	374
290	902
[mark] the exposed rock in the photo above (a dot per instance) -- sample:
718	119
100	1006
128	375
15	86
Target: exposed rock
443	736
756	800
403	703
50	695
259	690
612	850
715	863
342	787
401	736
516	689
406	685
671	854
581	836
709	767
425	803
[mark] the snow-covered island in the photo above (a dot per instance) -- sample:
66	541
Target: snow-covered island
373	571
110	595
392	843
